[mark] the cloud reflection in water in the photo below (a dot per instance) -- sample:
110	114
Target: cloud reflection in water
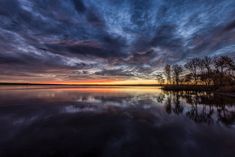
76	122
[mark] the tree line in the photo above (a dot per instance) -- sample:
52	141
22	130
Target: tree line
217	71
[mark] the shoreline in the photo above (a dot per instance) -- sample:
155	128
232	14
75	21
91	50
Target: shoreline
189	88
225	90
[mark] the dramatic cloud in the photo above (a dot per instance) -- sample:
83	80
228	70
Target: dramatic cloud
71	40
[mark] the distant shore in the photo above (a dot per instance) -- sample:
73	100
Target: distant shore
43	84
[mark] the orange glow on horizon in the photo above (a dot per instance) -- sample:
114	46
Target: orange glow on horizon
106	82
97	82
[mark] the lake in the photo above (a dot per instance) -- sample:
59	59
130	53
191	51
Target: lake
114	122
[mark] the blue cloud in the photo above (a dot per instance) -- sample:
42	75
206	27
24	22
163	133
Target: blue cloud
112	33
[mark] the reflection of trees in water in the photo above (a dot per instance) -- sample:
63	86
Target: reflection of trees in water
225	116
176	107
205	115
161	98
168	104
202	106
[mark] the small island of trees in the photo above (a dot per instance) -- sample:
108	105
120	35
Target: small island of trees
207	73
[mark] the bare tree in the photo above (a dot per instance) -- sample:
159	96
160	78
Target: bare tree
207	70
206	76
223	65
167	73
207	63
187	78
160	79
177	71
193	67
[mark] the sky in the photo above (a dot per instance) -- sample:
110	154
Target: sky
109	41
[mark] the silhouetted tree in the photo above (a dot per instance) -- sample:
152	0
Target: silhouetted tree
188	78
167	73
177	71
207	63
207	70
160	79
223	65
193	67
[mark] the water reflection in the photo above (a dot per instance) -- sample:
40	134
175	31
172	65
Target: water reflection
108	121
201	107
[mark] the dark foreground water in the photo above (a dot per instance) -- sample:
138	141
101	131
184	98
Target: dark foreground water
114	122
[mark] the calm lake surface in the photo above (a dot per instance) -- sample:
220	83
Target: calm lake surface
58	121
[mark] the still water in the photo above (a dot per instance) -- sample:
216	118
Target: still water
58	121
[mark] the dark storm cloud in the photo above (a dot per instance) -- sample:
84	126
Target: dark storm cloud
166	36
115	72
88	48
79	5
100	36
230	26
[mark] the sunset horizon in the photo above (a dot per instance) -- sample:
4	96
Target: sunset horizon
87	82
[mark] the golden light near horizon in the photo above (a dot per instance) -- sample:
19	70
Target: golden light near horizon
106	82
85	81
